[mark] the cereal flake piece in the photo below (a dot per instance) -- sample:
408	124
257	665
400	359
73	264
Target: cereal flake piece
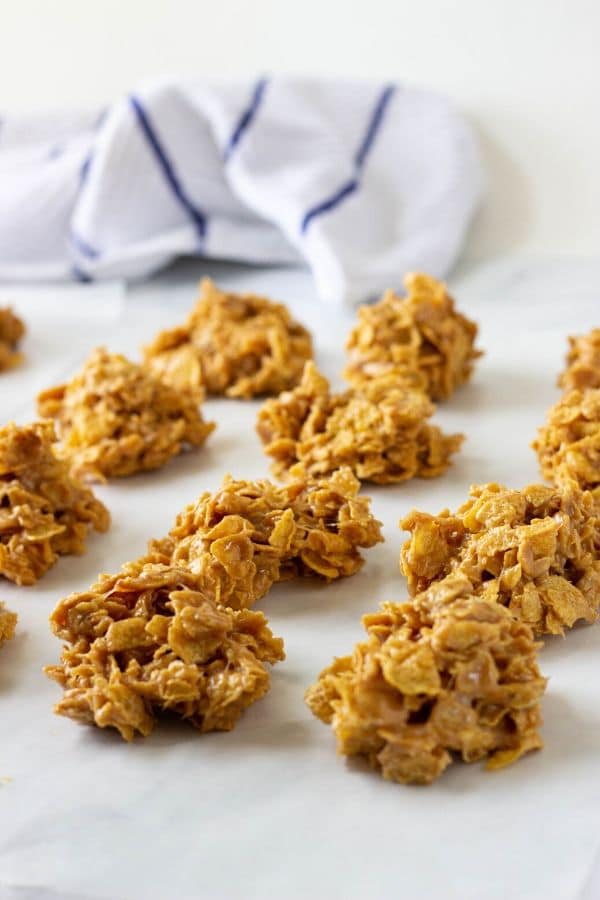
378	429
8	623
45	512
450	672
247	535
12	330
239	345
420	339
114	418
533	550
147	642
583	362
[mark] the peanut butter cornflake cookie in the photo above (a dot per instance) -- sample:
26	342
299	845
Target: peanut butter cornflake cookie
8	623
114	418
239	345
568	445
12	330
532	550
421	339
172	632
583	362
147	642
45	513
378	429
247	535
448	673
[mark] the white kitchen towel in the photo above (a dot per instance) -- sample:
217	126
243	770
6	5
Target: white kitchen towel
363	181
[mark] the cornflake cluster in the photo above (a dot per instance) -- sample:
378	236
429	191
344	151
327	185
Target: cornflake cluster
248	535
239	345
12	330
115	419
45	512
532	550
420	339
8	623
172	633
146	642
448	673
568	445
379	429
583	362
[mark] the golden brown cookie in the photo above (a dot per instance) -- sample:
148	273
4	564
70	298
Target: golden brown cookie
144	643
378	429
532	550
448	673
45	512
114	418
171	631
583	362
420	339
247	535
239	345
568	445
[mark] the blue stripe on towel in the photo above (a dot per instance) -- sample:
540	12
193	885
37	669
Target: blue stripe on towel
351	186
83	247
374	125
168	170
246	118
85	168
80	275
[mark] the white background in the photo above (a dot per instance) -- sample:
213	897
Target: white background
526	73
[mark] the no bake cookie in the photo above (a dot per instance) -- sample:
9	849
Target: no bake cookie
534	551
450	673
114	418
239	345
378	429
420	339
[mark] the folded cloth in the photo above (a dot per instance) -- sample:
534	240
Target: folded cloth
363	181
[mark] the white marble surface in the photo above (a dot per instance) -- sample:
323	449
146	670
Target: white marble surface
268	810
